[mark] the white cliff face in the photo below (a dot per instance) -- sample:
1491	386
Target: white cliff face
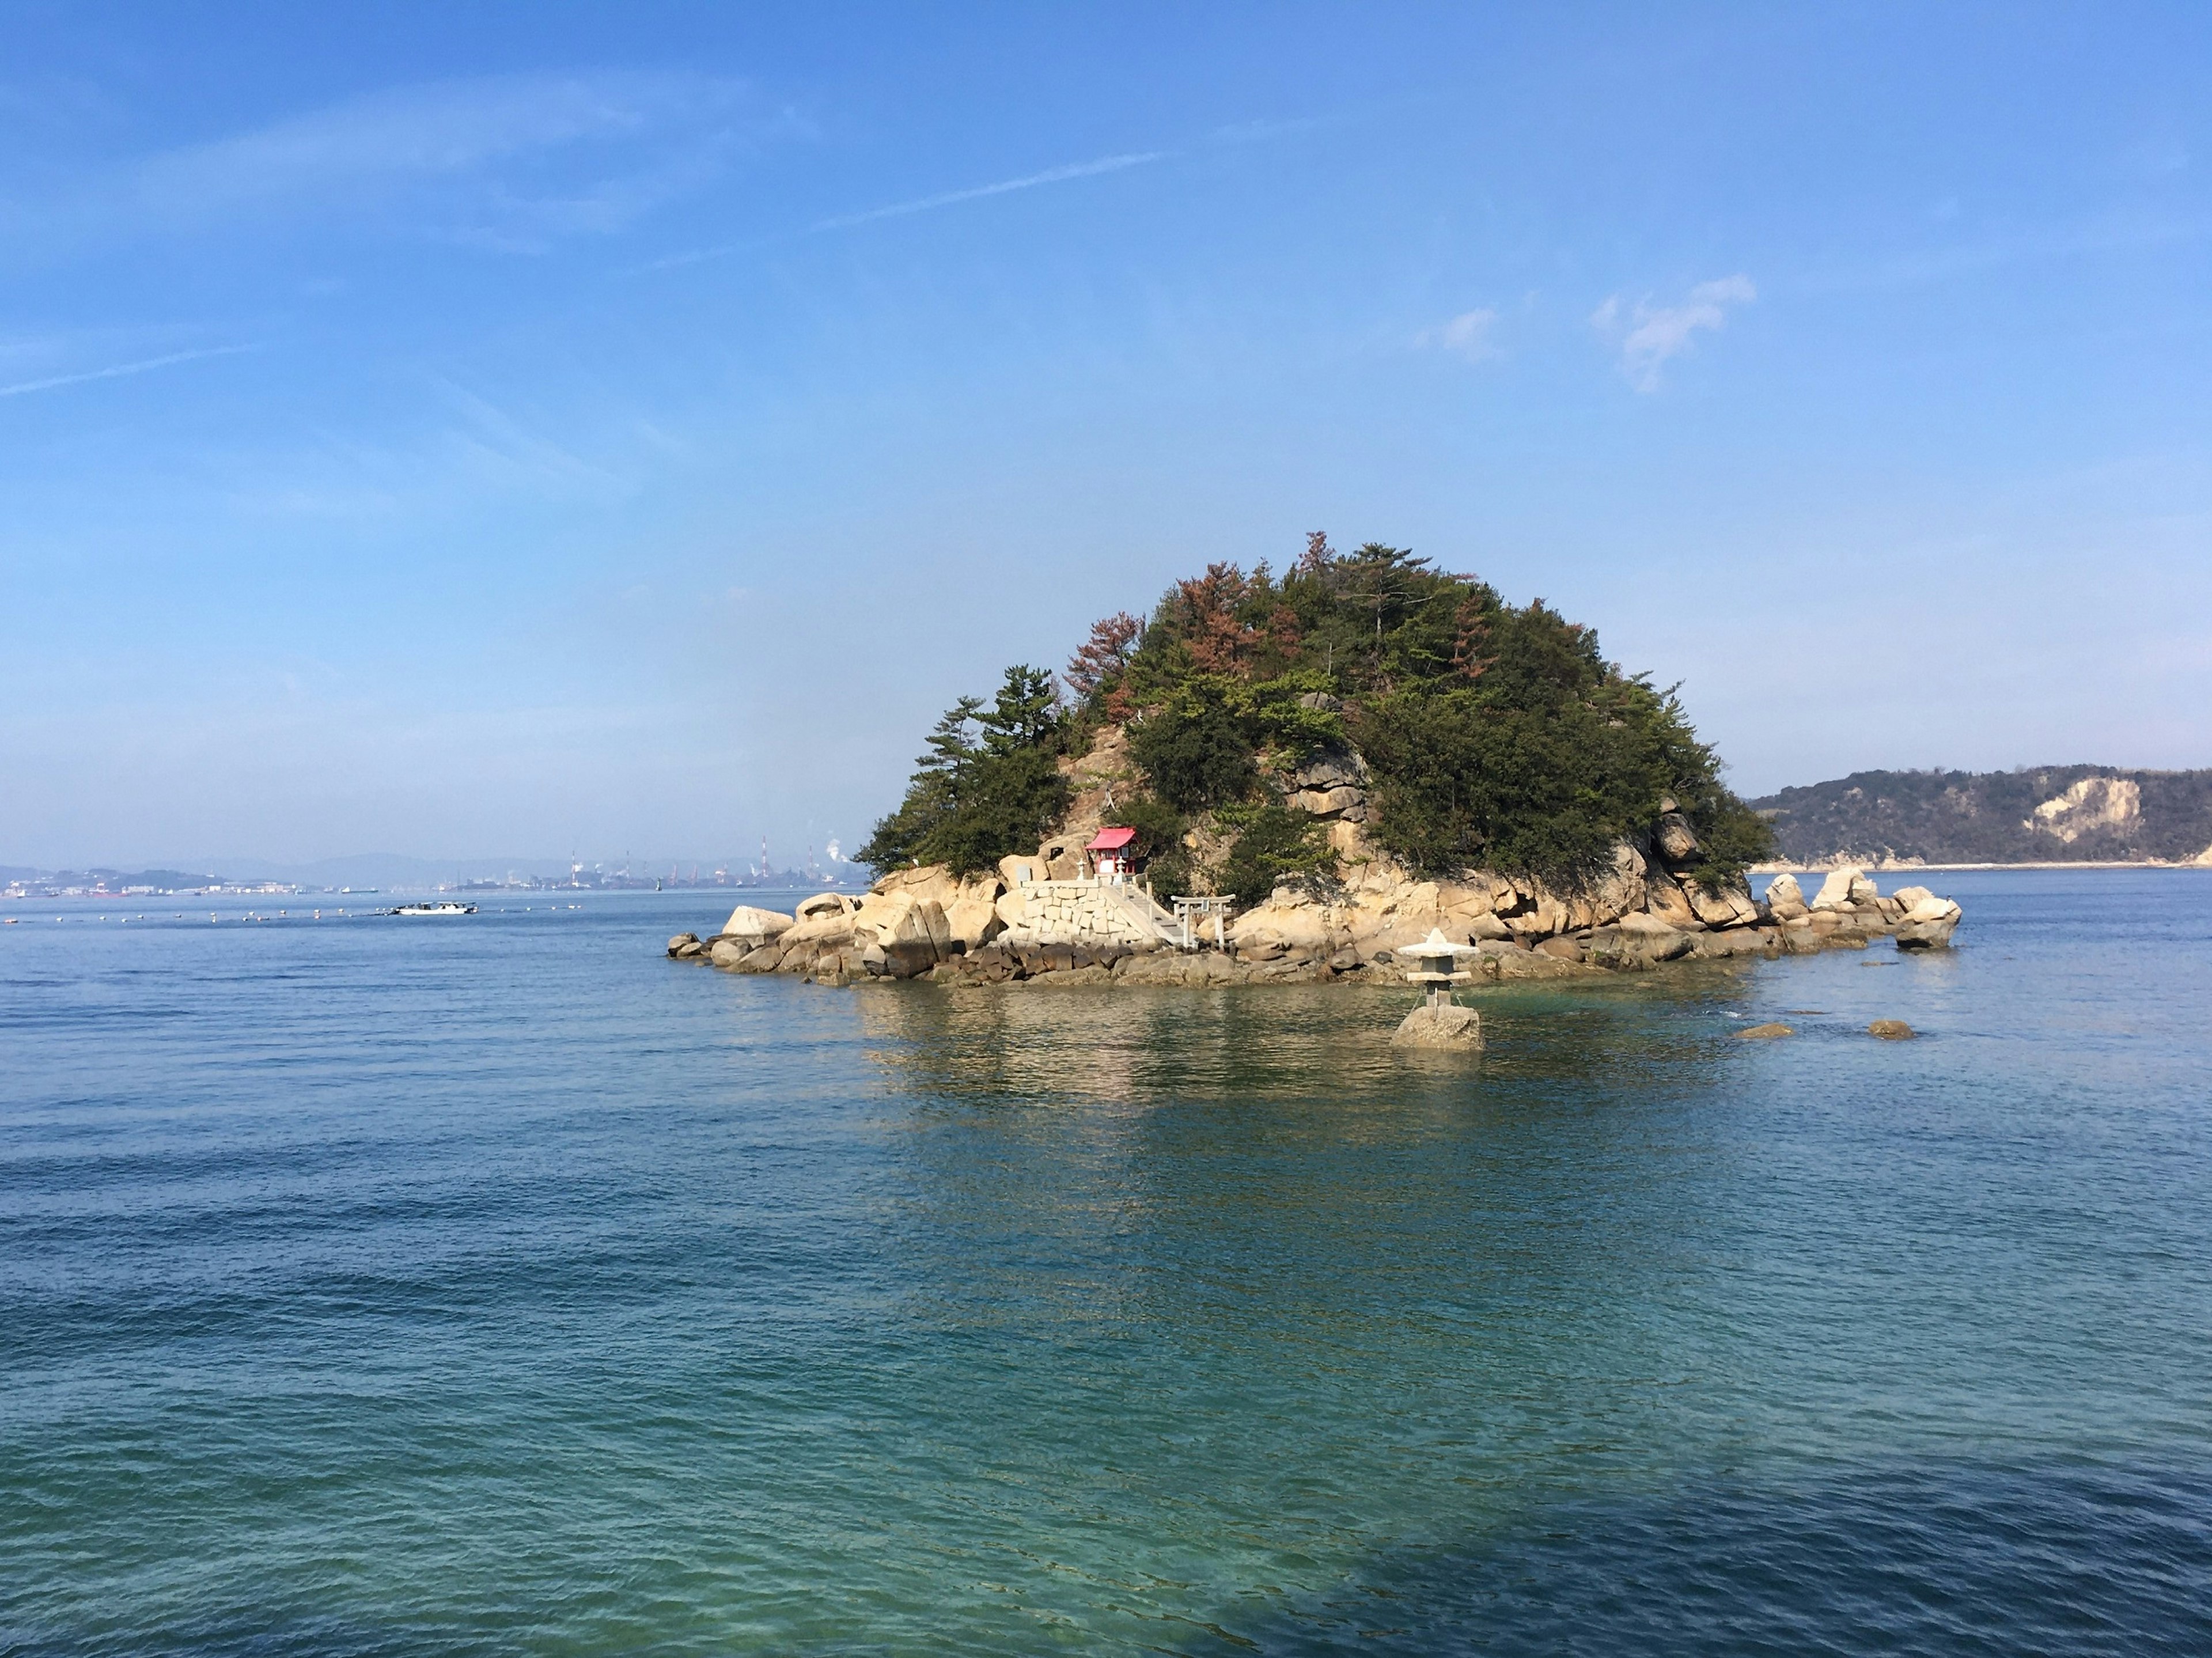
2092	804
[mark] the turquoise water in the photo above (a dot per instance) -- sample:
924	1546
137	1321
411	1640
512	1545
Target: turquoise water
494	1285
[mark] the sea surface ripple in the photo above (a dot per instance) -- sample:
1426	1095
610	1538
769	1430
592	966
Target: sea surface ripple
492	1286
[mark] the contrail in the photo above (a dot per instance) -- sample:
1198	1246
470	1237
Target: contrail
923	205
120	369
1028	181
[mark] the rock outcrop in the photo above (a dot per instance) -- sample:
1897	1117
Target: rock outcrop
1023	922
1927	922
1444	1025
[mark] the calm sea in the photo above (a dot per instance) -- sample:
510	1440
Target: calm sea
493	1285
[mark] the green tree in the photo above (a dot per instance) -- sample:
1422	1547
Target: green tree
1496	734
1194	749
990	784
1274	844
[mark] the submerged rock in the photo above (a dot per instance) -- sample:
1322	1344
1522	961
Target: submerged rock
1892	1030
1761	1032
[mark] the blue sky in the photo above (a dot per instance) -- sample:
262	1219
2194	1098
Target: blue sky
503	430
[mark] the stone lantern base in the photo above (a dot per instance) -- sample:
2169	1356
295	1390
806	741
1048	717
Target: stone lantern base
1441	1025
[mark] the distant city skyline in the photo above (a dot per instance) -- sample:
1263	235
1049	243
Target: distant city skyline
556	426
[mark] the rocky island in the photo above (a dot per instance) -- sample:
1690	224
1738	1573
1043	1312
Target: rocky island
1299	778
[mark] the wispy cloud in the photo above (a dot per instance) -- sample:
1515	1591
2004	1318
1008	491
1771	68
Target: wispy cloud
1051	175
116	371
506	446
1650	334
1467	335
508	157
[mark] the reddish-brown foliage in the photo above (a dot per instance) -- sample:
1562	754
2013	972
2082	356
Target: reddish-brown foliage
1105	654
1219	642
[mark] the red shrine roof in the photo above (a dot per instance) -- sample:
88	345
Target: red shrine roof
1110	840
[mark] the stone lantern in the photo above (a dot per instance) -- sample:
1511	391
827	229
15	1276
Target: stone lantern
1439	1022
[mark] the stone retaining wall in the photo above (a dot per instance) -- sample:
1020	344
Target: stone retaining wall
1091	913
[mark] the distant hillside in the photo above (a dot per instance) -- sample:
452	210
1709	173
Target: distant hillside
2049	814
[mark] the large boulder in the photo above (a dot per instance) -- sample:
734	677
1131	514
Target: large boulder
1649	937
1332	768
1667	901
823	922
1785	899
1282	929
1062	858
974	921
1675	842
923	883
912	934
1620	889
1510	961
969	903
1539	920
1467	897
758	926
1446	1025
1726	907
1328	802
1928	924
1021	869
1845	889
1736	941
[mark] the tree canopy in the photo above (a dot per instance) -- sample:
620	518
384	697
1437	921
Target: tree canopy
989	785
1496	735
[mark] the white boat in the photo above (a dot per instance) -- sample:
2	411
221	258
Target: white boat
443	907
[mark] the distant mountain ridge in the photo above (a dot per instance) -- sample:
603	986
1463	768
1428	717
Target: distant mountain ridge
2044	814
